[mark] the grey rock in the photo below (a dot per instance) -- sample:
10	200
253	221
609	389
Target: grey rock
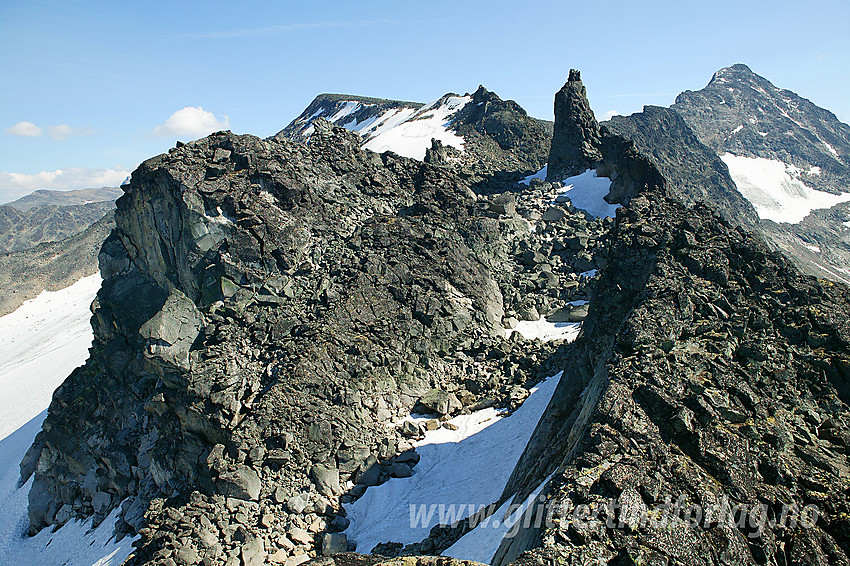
440	402
241	483
554	214
576	143
334	543
327	480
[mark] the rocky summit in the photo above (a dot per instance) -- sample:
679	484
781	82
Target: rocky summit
285	322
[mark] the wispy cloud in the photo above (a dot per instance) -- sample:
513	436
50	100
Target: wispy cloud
192	121
64	131
57	132
25	129
15	185
288	28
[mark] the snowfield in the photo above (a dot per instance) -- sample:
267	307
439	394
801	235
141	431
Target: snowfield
587	192
43	341
544	330
459	472
775	190
412	135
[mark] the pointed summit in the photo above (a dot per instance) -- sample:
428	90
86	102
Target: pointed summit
576	141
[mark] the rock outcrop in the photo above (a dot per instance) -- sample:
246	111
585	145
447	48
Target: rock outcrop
576	139
710	371
268	309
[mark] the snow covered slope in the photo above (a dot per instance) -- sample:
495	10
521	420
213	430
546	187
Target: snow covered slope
412	136
358	113
586	191
459	472
386	125
43	341
776	189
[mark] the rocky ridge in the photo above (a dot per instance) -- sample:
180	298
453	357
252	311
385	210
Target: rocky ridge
269	307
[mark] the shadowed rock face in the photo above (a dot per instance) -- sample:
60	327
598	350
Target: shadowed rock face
693	172
575	139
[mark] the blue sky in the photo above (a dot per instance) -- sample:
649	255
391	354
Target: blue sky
90	89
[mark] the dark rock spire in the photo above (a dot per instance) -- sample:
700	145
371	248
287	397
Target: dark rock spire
576	139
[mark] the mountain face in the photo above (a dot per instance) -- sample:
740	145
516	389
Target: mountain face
273	312
693	172
20	230
741	113
789	157
481	131
44	197
51	266
50	239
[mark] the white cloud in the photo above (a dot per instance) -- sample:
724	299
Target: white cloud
26	129
192	121
15	185
60	132
608	115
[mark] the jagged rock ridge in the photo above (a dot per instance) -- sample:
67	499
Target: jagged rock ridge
268	305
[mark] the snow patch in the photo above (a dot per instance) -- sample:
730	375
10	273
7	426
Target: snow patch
587	192
42	342
546	331
468	467
221	218
774	189
539	175
412	137
738	129
482	543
